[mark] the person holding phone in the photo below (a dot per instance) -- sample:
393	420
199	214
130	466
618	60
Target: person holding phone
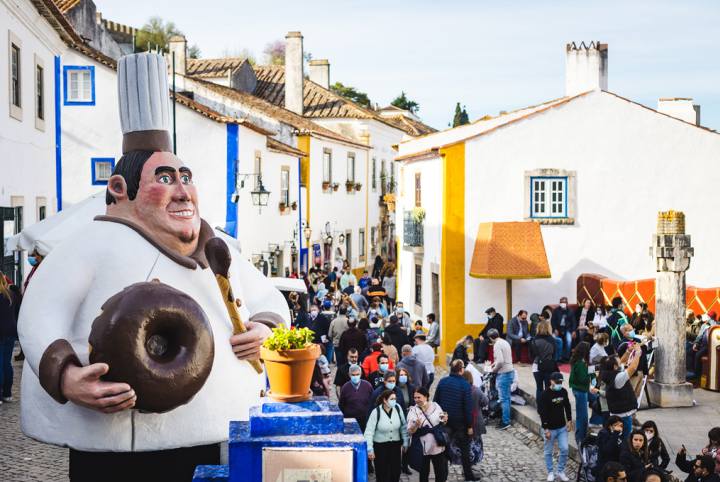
619	391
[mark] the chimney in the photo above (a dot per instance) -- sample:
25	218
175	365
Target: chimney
294	77
320	72
178	46
681	108
586	67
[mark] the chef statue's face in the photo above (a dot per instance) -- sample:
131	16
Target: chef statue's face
166	204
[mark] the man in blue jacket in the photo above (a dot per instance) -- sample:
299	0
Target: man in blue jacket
454	396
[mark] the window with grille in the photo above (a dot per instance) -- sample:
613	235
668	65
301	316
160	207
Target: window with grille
15	97
351	167
373	240
361	240
548	197
418	190
39	92
327	165
258	169
418	284
285	186
101	170
79	85
374	174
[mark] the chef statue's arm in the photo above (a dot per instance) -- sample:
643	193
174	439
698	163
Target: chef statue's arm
47	326
266	305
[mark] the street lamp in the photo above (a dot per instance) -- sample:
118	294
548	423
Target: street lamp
260	195
308	233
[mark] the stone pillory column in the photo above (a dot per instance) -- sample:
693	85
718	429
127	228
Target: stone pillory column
672	251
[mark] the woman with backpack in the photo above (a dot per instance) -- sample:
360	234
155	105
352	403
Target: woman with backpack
422	418
542	351
387	437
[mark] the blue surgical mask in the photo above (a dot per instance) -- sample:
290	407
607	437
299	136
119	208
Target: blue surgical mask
391	403
390	385
402	379
631	333
384	367
355	379
32	260
557	388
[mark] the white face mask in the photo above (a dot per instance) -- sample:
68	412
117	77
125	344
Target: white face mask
649	435
563	305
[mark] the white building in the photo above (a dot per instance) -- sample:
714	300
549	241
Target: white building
593	168
345	181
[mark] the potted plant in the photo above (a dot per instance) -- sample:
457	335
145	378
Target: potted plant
418	214
349	185
358	186
290	357
326	185
335	186
282	207
293	206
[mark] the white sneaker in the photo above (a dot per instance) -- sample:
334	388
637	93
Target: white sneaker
550	477
7	399
563	477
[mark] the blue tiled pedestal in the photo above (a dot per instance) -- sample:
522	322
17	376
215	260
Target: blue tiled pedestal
315	424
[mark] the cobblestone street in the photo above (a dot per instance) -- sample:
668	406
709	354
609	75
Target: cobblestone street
512	455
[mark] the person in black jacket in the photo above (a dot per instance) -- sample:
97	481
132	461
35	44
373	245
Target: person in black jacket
702	469
460	351
556	420
396	333
564	326
612	472
9	308
634	456
619	391
496	321
610	440
657	453
542	352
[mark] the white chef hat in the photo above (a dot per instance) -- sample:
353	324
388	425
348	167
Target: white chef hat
144	102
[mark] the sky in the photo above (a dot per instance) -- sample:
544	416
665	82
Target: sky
487	55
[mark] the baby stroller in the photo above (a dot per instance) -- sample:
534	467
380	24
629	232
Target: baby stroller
587	472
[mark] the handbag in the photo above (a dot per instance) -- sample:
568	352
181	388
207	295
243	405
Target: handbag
438	431
415	453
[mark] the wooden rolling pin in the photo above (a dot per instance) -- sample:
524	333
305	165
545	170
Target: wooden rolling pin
218	256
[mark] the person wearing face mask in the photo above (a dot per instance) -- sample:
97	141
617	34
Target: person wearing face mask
610	441
657	453
385	366
556	421
387	437
615	319
597	351
495	321
389	381
355	397
414	367
630	339
305	319
421	418
371	363
406	385
584	316
564	326
342	374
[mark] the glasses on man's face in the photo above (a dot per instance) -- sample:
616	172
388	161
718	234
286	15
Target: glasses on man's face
698	467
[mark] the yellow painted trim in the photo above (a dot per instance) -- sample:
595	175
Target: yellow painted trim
367	204
452	251
304	145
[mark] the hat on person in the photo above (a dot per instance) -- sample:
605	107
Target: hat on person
557	377
144	103
327	304
420	336
490	310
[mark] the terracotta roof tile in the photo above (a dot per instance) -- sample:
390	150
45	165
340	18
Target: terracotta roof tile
216	116
65	5
213	67
509	250
321	102
275	145
300	123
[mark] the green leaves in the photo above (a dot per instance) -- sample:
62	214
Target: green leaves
283	339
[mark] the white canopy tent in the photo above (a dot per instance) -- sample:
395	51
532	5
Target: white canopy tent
49	233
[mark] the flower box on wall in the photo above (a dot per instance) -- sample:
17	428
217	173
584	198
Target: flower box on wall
293	206
335	186
358	186
350	186
326	185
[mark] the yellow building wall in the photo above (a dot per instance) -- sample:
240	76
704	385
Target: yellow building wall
452	251
304	145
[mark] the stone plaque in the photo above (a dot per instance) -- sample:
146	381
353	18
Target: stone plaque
307	464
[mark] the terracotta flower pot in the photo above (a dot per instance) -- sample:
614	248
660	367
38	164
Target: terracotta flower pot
290	372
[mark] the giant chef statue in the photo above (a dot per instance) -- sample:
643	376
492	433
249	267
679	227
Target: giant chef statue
152	232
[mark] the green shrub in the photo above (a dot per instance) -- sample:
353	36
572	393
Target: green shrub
283	339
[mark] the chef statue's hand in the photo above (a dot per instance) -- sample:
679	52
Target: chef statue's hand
247	345
83	386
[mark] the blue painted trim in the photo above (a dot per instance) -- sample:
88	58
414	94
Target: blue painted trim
300	228
548	201
67	68
93	162
58	137
232	160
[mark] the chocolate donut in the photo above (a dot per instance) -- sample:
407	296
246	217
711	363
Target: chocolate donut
158	340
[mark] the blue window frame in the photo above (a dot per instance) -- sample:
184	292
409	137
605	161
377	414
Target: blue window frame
79	85
548	197
101	169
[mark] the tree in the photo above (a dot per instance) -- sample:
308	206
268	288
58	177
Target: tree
243	53
351	93
403	102
156	33
194	51
275	53
461	116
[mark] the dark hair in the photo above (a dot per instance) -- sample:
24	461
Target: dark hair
407	372
457	366
493	334
430	316
607	364
382	355
384	396
644	449
612	420
343	310
393	319
617	301
364	324
352	350
655	472
707	462
580	352
655	442
714	435
389	374
386	339
423	391
521	312
611	469
130	167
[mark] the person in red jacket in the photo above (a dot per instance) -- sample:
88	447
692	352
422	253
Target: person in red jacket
370	363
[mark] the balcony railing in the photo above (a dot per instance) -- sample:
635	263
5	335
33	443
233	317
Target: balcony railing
413	230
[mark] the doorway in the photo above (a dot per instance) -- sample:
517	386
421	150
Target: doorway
11	223
348	248
435	280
